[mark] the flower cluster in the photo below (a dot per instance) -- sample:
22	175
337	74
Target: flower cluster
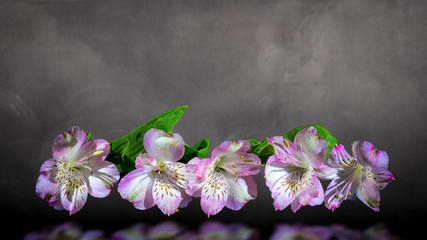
293	170
212	230
225	179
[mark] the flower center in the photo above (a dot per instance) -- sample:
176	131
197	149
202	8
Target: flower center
297	181
213	166
77	165
159	168
367	171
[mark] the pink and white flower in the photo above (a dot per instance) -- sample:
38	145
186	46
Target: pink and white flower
158	178
78	167
363	175
292	174
225	179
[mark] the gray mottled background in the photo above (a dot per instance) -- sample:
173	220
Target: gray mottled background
246	69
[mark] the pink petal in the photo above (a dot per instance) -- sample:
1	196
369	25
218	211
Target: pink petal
367	155
198	171
164	146
102	149
241	190
381	177
214	194
185	198
166	195
314	147
136	187
312	195
241	164
288	153
233	157
84	151
195	176
340	159
145	162
326	172
298	188
368	193
282	146
55	169
74	137
228	148
202	167
74	192
101	178
49	191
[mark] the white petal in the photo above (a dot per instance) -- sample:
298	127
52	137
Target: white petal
101	178
241	190
167	195
214	194
74	192
175	171
136	187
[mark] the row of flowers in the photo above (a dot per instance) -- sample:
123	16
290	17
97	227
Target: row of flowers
293	171
212	230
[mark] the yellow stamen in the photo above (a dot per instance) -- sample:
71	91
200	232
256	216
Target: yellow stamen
98	152
285	141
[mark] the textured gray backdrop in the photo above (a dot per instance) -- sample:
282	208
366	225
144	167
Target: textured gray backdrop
246	69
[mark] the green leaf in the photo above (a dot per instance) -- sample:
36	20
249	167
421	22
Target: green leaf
201	150
321	132
254	143
124	150
189	153
89	136
262	149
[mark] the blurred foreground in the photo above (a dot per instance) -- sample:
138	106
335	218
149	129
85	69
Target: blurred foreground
211	230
